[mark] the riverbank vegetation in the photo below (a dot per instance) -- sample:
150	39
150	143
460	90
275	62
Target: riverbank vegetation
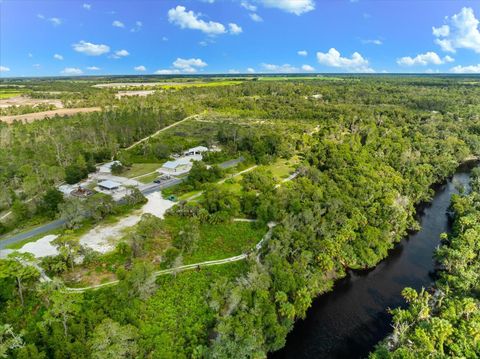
368	150
445	322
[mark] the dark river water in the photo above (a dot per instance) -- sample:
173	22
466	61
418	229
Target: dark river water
348	321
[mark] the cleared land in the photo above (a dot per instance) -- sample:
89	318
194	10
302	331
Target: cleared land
132	84
121	94
8	101
30	117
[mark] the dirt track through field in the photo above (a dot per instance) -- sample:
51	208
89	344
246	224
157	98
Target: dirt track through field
30	117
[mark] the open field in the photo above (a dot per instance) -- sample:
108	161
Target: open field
201	84
127	84
18	100
30	117
167	84
121	94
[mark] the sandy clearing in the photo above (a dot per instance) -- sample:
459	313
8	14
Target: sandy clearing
121	94
129	84
27	101
102	238
40	248
30	117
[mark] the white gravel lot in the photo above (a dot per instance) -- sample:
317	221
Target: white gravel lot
40	248
103	238
100	238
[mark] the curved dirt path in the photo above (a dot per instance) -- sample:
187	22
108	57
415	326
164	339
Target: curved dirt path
161	130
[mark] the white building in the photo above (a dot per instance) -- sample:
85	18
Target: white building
109	185
179	166
196	151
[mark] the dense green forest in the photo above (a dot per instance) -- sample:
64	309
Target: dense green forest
445	323
370	149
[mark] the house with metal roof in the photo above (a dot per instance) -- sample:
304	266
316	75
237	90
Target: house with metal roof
180	165
109	185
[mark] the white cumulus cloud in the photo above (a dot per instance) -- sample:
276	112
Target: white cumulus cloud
140	68
472	69
187	66
248	6
234	29
250	70
307	68
167	71
302	53
296	7
58	57
91	49
280	68
461	31
427	58
190	20
117	23
120	53
137	27
4	69
71	71
255	17
93	68
233	71
87	6
373	42
332	58
55	21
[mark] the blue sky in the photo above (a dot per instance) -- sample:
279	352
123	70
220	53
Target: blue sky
54	38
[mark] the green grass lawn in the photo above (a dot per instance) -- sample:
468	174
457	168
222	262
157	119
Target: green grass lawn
138	169
148	178
220	240
282	168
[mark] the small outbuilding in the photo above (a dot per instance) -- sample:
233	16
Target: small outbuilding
196	151
109	185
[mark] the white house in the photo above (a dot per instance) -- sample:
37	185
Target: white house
107	167
109	185
196	151
180	165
